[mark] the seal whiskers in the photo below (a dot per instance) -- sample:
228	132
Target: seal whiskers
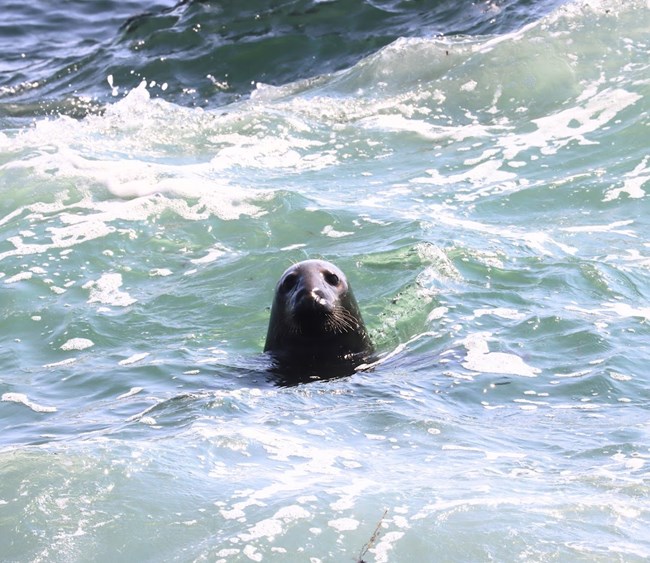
316	329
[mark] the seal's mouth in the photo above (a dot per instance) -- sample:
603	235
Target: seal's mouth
312	318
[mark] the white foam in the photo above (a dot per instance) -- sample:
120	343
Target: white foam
80	151
502	312
633	183
275	525
77	344
82	229
619	376
162	272
386	543
65	362
251	552
481	360
611	309
343	524
469	86
558	129
106	290
213	254
610	228
538	241
23	400
330	231
133	359
424	129
19	277
626	311
437	313
294	246
265	528
226	553
130	393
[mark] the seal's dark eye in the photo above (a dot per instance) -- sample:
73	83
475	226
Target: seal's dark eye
289	283
332	279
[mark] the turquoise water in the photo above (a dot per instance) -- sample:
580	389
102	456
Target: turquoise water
484	190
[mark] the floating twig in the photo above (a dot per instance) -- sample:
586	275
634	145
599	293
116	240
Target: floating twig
373	539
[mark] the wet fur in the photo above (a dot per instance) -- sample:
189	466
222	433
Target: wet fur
316	329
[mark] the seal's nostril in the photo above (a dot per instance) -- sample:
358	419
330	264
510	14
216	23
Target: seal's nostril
318	295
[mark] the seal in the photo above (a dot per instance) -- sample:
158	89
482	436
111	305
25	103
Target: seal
315	330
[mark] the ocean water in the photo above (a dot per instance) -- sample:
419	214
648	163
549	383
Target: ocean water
480	171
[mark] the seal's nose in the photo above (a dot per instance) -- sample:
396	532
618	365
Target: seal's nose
315	294
310	293
318	295
308	287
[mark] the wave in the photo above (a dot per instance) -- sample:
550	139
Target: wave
210	53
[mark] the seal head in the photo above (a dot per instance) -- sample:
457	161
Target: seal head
315	330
